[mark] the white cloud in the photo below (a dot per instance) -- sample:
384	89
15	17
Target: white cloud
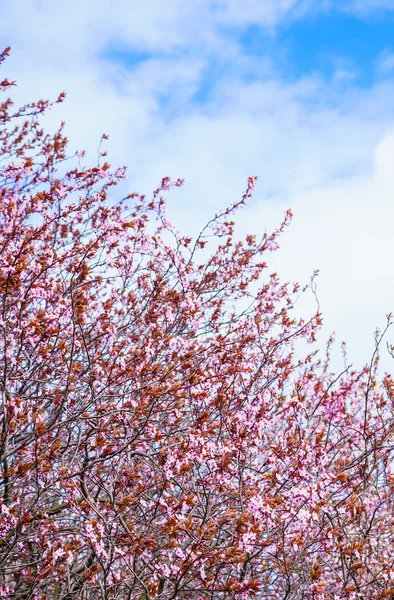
66	32
368	6
345	229
385	63
266	13
334	170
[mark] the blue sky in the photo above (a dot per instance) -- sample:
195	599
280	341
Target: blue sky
324	42
297	92
344	49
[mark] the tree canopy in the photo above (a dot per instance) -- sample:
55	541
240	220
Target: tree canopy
161	437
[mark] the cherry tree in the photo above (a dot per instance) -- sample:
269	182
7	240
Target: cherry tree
161	435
